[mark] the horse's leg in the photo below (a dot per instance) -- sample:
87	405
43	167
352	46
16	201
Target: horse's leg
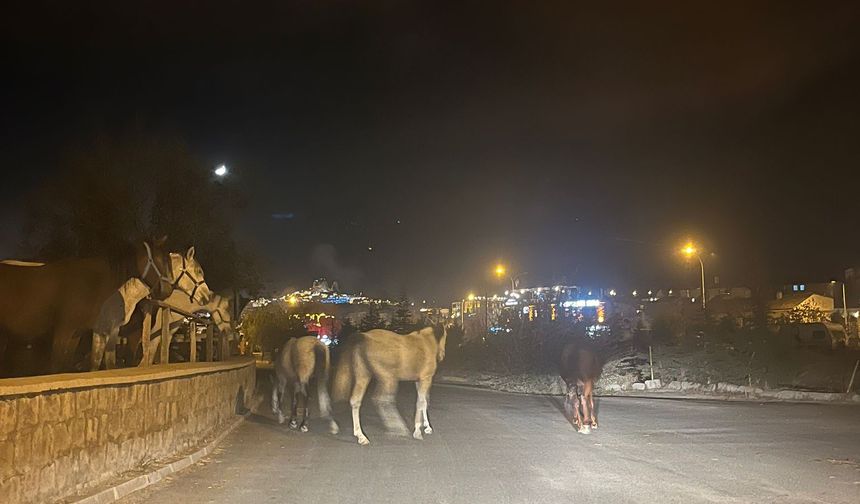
582	413
295	395
98	350
63	345
278	386
110	349
385	402
303	405
569	401
421	419
325	406
362	379
593	413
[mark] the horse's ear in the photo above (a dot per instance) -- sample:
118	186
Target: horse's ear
190	254
159	242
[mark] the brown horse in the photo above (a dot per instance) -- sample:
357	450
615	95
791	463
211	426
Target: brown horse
390	358
52	304
580	368
294	365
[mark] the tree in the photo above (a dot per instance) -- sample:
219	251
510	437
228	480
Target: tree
347	329
268	327
402	321
805	313
372	319
125	188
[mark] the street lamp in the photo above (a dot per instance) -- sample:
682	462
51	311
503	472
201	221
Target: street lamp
221	171
689	250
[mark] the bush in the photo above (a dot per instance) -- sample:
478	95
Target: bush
270	326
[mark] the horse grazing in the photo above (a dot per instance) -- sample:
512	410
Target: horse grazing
294	364
54	302
580	368
390	358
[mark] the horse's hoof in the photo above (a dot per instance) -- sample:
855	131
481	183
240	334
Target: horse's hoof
333	429
281	419
417	435
585	430
428	430
304	428
363	441
293	424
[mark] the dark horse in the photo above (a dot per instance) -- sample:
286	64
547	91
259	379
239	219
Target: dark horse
580	368
48	306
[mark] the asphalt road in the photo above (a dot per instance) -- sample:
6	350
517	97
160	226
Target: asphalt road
491	447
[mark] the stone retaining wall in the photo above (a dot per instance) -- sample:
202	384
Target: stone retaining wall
63	435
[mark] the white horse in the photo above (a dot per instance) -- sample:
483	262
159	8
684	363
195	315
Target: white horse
188	276
188	284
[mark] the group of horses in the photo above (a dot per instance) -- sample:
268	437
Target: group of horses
50	311
381	355
388	358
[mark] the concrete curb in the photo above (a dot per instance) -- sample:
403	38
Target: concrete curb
686	390
117	492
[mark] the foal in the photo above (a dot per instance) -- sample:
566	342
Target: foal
580	367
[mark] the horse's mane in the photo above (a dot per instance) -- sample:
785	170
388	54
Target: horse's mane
123	261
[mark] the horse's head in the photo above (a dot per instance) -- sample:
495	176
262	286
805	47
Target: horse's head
220	310
153	267
188	276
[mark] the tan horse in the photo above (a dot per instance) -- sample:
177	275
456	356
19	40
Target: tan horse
55	302
294	365
580	367
390	358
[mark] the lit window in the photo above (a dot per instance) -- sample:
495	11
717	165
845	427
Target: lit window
794	287
802	287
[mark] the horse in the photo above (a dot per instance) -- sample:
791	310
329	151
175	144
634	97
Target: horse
294	364
188	276
119	307
219	308
56	301
580	367
390	358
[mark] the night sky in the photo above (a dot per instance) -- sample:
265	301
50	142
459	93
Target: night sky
577	143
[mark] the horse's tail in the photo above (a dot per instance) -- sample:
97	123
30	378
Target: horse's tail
322	368
440	346
343	372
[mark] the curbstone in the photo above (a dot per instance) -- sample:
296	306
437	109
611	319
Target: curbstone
653	384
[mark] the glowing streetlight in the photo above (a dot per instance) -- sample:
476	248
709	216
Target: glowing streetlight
470	297
500	270
690	250
221	171
293	300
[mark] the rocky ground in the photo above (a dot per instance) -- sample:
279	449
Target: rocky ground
780	372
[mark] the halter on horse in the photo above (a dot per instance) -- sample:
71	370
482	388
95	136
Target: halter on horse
188	269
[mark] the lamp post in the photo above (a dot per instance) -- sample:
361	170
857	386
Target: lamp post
691	251
845	323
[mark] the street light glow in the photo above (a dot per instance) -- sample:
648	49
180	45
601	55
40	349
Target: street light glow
221	170
689	249
500	270
470	297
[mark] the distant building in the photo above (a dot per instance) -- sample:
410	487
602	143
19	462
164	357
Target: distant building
780	307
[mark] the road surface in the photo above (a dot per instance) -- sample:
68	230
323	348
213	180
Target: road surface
492	447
